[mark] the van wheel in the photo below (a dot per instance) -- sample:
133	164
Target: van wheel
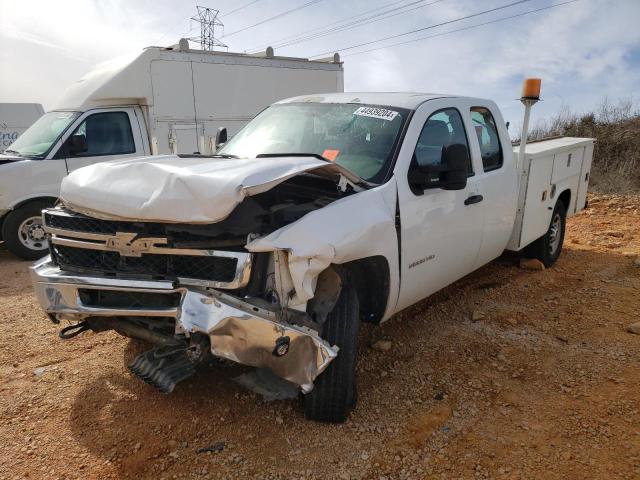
23	232
548	247
334	394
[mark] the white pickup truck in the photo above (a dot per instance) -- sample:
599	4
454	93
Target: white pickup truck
323	212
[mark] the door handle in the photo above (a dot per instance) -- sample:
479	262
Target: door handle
473	199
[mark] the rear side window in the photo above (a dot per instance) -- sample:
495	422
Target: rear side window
443	128
488	138
107	133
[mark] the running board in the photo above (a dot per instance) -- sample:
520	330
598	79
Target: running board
163	368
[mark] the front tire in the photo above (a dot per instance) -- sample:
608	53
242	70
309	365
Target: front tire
548	247
23	232
334	394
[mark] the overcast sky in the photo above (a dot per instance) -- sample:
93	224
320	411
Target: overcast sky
583	51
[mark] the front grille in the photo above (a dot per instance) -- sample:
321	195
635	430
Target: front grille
82	223
127	300
150	250
219	269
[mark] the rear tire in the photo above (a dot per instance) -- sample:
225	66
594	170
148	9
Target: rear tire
548	247
334	394
23	233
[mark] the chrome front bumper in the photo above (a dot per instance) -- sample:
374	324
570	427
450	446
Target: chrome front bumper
238	331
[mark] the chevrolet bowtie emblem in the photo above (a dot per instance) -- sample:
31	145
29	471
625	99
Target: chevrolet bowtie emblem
127	245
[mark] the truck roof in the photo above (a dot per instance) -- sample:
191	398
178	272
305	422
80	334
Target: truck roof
126	80
409	100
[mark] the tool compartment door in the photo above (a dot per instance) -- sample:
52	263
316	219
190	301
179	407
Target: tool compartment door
566	172
583	182
538	204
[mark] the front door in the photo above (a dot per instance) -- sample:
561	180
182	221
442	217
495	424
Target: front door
441	230
108	135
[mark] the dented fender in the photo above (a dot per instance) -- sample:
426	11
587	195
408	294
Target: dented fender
355	227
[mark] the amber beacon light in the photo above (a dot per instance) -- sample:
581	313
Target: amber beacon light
531	88
530	96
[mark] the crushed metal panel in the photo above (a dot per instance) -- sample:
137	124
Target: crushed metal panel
354	227
249	335
179	190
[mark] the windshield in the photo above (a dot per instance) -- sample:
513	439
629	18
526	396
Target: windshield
38	139
360	138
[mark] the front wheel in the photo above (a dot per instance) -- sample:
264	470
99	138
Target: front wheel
548	247
334	394
23	232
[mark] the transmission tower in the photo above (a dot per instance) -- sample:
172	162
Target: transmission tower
208	20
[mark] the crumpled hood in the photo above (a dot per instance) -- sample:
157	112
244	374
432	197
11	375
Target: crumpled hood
169	188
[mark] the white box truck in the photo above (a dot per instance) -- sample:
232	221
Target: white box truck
324	211
15	118
163	100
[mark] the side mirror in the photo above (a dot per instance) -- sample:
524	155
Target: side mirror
78	144
221	137
451	174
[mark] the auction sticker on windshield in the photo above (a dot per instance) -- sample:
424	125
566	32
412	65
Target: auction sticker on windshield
374	112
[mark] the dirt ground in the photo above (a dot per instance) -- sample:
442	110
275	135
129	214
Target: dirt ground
545	385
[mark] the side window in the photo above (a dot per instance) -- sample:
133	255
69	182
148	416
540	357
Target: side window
106	133
443	128
488	138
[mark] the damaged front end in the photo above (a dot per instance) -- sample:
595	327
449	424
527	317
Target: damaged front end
192	290
189	321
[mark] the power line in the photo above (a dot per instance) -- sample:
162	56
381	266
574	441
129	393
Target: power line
180	22
463	28
239	8
363	22
172	29
423	28
308	4
299	35
335	26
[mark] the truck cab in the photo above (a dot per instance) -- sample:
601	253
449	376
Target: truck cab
325	211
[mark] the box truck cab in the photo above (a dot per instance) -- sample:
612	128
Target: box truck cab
163	100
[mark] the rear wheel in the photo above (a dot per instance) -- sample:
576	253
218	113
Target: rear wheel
547	248
334	394
23	232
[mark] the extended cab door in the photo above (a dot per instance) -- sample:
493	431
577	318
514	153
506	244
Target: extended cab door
496	176
440	230
101	135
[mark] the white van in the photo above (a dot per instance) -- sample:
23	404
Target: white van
15	118
163	100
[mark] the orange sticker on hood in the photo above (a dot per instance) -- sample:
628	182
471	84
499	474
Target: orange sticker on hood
331	154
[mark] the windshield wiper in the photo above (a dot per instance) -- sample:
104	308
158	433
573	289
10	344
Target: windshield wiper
12	151
275	155
224	155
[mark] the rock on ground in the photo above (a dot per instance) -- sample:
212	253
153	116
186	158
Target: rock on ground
531	264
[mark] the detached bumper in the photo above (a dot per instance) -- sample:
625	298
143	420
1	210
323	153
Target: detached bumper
237	330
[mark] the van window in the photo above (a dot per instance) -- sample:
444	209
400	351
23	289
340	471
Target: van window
488	138
443	128
40	138
107	133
